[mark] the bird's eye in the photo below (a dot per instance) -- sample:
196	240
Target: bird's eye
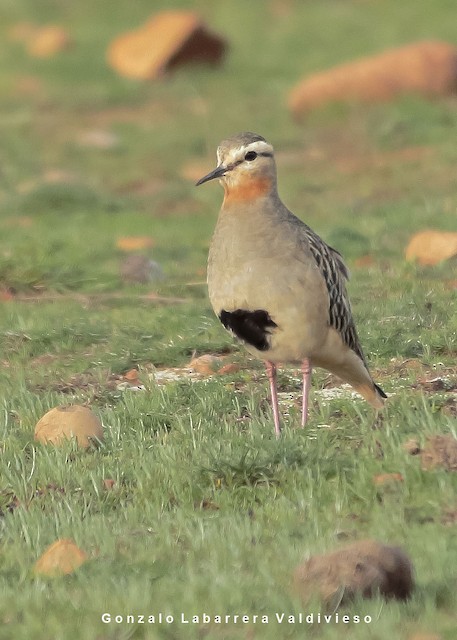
250	156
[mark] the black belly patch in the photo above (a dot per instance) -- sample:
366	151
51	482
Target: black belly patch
253	327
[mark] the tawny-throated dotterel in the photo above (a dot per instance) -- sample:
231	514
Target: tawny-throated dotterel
274	283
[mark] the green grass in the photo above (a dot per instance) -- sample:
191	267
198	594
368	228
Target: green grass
208	512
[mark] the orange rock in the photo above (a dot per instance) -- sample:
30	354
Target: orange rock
131	377
428	68
6	294
168	40
131	374
73	421
45	42
451	284
231	367
60	558
134	243
364	261
430	247
206	364
384	478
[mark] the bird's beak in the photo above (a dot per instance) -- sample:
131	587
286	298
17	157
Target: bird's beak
216	173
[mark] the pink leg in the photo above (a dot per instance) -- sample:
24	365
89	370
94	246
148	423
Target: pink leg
271	373
306	371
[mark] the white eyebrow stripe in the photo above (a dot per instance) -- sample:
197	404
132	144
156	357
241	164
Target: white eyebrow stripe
237	154
259	146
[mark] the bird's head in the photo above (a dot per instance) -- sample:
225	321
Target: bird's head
245	167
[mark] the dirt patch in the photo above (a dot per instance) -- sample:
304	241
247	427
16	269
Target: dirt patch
412	447
440	451
437	384
9	501
449	517
449	408
77	383
360	569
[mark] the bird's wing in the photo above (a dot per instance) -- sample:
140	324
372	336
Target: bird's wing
335	273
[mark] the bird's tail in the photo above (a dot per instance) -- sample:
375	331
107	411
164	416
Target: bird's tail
339	359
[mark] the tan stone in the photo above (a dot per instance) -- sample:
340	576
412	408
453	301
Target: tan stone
382	479
169	39
60	558
229	368
46	41
206	364
428	68
134	243
430	247
66	422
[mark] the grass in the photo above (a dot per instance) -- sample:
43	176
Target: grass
208	513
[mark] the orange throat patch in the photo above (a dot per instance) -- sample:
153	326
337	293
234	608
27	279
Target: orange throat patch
245	190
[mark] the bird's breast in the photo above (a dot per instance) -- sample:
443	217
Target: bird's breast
267	291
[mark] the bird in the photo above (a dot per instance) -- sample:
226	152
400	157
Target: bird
274	283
